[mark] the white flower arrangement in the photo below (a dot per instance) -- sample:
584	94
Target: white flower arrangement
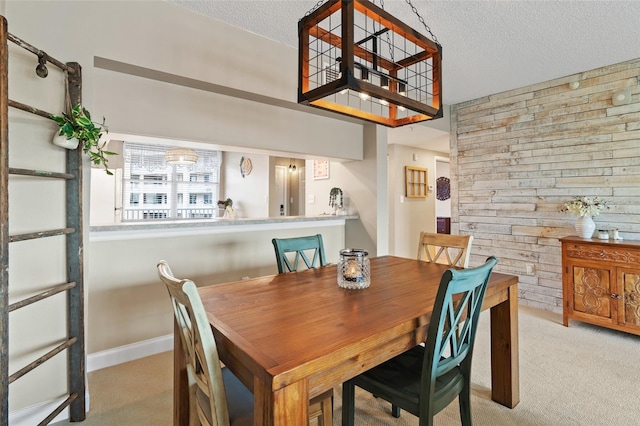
585	206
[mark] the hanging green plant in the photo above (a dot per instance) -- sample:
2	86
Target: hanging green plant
79	125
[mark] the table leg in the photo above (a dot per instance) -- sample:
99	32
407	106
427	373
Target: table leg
180	381
505	364
284	407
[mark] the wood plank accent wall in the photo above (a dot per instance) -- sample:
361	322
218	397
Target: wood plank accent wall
517	156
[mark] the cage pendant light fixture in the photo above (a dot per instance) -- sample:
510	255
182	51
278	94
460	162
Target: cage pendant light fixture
357	59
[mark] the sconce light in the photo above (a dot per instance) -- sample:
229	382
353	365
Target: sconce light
621	97
182	156
292	167
574	85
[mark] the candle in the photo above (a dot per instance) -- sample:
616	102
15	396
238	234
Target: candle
353	270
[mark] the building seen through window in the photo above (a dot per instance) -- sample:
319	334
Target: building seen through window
154	189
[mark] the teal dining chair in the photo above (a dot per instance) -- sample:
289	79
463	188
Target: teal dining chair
303	247
216	396
426	379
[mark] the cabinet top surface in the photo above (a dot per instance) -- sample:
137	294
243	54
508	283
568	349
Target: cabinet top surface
594	241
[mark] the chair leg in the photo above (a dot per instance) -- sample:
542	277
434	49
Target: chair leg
395	411
348	403
464	399
321	408
327	412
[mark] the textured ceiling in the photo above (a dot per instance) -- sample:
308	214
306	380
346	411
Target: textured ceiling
488	46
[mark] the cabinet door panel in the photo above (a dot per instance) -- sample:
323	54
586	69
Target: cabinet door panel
592	291
629	287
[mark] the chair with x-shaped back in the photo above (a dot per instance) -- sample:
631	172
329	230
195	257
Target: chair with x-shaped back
216	396
453	250
426	379
303	247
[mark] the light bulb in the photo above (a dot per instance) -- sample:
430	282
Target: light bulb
402	89
384	82
365	74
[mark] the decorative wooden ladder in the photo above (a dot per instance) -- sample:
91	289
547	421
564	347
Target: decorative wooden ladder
74	287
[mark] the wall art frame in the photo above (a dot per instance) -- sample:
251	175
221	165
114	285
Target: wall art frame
320	169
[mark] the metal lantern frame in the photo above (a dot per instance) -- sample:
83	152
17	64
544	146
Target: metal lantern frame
390	74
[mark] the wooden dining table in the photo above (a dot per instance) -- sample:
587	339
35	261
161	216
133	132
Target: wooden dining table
290	337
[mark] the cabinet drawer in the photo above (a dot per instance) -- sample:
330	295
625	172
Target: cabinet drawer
619	255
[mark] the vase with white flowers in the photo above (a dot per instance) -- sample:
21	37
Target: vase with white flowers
585	208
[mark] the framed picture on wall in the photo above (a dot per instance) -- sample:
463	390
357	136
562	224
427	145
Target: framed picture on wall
320	169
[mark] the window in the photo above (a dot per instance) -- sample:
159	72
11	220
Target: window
154	198
156	190
154	179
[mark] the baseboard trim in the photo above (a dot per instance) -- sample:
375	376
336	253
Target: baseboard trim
126	353
34	414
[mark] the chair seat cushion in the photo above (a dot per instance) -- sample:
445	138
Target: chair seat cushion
400	378
239	400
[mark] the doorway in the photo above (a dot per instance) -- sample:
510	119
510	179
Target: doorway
282	190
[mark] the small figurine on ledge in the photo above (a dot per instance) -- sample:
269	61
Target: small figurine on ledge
615	234
229	212
336	200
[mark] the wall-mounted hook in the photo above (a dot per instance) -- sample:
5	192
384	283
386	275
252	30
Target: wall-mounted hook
41	69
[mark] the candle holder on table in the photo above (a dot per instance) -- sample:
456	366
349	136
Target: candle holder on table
353	269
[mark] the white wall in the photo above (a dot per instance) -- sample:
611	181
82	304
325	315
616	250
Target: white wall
152	43
443	169
129	304
409	216
364	185
184	56
35	205
250	194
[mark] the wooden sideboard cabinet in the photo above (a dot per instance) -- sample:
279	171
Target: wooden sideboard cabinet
601	283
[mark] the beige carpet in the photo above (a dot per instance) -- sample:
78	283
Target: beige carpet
581	375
